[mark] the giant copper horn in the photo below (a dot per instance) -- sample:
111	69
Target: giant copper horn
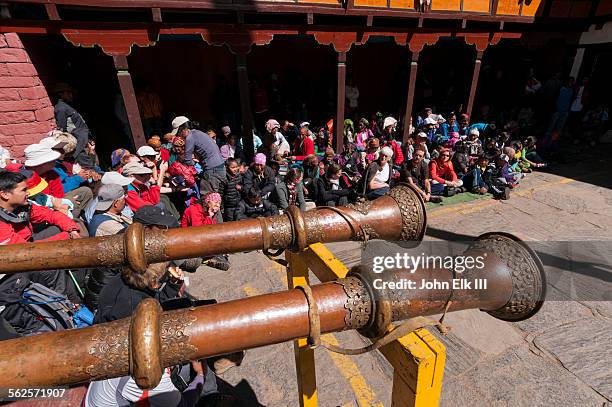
399	215
152	339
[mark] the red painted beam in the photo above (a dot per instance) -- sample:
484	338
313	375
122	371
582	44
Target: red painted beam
275	7
245	107
474	84
339	122
414	64
129	100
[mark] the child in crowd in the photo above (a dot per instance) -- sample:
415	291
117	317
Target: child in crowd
254	206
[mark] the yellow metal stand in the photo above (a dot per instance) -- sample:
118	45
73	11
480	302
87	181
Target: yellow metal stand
417	358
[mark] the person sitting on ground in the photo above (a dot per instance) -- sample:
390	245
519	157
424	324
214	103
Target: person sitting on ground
254	205
350	161
260	176
389	130
444	180
449	127
416	173
280	142
520	164
141	192
373	146
232	149
290	191
72	175
117	157
36	186
531	153
110	178
202	212
108	219
328	158
378	175
430	128
119	299
349	131
461	159
474	179
363	135
148	158
504	170
473	145
332	189
42	159
408	149
163	153
230	189
22	221
303	147
310	170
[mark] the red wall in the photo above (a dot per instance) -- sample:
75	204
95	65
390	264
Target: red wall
26	113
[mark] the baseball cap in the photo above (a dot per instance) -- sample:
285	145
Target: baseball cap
178	122
114	178
117	155
146	151
155	216
135	168
107	195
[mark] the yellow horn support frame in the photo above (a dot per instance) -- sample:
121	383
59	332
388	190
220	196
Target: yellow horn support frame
417	358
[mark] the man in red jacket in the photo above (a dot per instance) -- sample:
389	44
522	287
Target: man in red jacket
140	191
303	147
19	218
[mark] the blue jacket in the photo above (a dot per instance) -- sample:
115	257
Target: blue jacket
69	182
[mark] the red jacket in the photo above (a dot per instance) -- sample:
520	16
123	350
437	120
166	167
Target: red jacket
307	148
195	216
13	233
442	172
398	155
55	187
140	196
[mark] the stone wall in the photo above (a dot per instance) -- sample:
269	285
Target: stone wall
26	113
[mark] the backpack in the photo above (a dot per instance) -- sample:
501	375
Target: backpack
53	309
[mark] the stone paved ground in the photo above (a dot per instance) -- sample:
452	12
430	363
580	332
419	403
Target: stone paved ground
560	357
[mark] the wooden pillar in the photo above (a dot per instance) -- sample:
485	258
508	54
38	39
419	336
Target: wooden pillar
339	122
414	64
245	107
129	100
474	82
